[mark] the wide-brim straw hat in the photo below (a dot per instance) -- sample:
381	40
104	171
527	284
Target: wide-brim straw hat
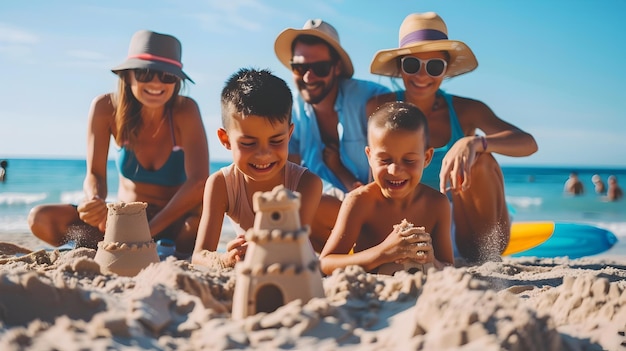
151	50
314	27
424	32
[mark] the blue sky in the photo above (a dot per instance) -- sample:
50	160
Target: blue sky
553	68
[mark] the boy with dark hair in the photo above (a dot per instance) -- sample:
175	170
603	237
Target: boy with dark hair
369	219
256	118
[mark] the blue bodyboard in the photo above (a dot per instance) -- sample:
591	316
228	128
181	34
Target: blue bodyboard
573	240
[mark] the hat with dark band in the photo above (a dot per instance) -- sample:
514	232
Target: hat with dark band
156	51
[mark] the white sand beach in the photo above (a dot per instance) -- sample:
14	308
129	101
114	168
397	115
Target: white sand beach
51	300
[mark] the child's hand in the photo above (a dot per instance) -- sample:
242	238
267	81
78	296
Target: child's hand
235	251
424	252
409	244
93	212
400	245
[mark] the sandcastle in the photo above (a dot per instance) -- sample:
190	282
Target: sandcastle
127	247
406	228
280	265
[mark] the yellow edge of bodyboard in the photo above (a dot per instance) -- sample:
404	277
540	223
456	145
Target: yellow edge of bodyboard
526	235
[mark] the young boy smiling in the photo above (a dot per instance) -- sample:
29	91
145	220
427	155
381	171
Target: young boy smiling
256	127
398	151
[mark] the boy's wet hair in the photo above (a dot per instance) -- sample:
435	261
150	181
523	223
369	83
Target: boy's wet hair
400	115
256	92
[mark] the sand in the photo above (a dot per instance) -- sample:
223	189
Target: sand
52	300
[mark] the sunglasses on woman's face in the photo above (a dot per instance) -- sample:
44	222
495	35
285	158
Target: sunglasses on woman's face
320	69
145	75
435	67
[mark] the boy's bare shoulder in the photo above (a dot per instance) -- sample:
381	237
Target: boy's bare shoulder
430	191
363	196
216	179
309	178
432	194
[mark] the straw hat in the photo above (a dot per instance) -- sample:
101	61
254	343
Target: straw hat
155	51
424	32
314	27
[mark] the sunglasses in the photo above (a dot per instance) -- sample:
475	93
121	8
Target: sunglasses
435	67
145	75
320	69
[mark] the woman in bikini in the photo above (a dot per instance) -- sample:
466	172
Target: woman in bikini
162	152
462	164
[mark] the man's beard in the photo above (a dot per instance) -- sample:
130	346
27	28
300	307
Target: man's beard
316	99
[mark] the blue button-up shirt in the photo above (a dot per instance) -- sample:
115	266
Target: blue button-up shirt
306	140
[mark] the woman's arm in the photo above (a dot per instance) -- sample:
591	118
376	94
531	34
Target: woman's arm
93	210
501	137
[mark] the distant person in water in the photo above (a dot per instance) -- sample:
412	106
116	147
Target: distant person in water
3	170
598	184
573	185
614	192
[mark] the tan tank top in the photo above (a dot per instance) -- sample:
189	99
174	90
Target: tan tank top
239	210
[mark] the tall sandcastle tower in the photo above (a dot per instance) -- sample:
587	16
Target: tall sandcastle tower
280	265
127	247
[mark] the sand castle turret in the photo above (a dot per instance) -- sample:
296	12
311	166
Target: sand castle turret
127	247
280	265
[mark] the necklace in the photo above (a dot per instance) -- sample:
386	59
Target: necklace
158	128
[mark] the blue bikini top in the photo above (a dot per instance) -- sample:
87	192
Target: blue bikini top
172	173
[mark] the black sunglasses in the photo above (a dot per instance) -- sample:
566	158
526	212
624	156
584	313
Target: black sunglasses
146	75
435	67
320	69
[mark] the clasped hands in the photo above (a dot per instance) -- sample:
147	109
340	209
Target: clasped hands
409	244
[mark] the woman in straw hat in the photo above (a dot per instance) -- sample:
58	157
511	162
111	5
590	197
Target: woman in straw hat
161	148
463	163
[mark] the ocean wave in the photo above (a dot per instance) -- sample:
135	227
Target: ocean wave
13	199
72	197
524	201
617	228
14	224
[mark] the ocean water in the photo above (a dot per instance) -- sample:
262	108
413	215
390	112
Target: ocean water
533	193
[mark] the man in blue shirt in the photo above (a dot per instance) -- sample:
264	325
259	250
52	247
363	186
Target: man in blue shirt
330	122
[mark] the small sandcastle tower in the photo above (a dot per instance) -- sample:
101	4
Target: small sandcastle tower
280	265
127	247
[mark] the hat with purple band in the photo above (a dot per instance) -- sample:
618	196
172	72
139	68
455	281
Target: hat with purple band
424	32
156	51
